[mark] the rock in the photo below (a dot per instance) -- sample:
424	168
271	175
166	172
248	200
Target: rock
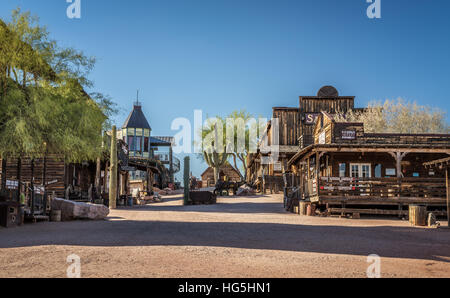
432	221
245	191
75	210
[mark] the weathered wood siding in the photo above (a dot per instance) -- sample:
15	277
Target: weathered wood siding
289	125
317	105
55	172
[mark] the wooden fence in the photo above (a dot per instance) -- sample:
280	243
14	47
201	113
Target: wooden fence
400	189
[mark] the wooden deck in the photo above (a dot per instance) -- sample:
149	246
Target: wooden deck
383	191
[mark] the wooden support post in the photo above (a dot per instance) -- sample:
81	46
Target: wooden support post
448	194
171	179
398	156
308	176
19	169
3	182
32	188
44	182
105	178
98	176
148	181
318	156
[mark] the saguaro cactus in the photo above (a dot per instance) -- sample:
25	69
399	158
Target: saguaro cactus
215	161
113	171
187	170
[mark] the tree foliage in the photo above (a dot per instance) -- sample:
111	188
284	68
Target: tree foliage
235	144
214	145
398	116
44	106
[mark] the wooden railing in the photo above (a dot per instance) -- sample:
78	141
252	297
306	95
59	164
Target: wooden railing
342	187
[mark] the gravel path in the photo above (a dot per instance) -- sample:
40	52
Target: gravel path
238	237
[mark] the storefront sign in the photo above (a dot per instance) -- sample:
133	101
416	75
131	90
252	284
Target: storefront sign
128	169
348	135
310	118
39	190
12	184
277	167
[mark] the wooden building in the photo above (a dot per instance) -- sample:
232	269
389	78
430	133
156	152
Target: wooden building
136	132
345	169
52	175
295	130
443	165
226	173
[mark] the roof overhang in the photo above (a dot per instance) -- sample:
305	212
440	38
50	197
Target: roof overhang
357	148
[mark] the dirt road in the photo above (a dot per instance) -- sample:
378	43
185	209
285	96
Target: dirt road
239	237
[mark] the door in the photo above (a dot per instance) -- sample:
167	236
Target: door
360	170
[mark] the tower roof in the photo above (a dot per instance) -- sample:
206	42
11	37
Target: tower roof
136	119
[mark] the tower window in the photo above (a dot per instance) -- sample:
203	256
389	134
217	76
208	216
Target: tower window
146	142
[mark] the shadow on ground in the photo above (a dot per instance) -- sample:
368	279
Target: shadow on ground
251	206
386	241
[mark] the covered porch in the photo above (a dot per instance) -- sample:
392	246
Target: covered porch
371	179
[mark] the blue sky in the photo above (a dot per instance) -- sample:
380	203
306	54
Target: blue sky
223	55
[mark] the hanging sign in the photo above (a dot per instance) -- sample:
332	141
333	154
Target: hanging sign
348	135
39	190
12	184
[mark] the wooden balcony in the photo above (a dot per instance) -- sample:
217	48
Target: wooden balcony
372	191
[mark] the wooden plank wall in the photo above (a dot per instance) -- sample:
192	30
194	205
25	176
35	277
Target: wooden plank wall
55	172
317	105
289	122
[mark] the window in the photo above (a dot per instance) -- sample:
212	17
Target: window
355	171
365	171
146	141
361	170
138	145
131	143
378	171
342	169
391	172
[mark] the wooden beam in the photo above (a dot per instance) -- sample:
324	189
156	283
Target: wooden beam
448	195
382	150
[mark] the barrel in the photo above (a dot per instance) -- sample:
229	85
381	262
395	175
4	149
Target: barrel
311	210
418	215
55	215
303	208
130	201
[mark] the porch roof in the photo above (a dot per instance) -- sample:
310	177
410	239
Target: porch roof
440	163
411	148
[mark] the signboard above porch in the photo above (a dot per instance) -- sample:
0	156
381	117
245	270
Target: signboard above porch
310	118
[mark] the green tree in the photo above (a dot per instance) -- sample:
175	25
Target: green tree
213	145
240	122
44	104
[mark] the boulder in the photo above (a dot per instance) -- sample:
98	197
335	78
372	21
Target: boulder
245	191
75	210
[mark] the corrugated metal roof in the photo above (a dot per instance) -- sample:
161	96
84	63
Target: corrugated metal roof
162	141
136	119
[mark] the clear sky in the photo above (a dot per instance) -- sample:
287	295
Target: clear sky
223	55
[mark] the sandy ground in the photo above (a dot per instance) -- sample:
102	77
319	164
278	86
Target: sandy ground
238	237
